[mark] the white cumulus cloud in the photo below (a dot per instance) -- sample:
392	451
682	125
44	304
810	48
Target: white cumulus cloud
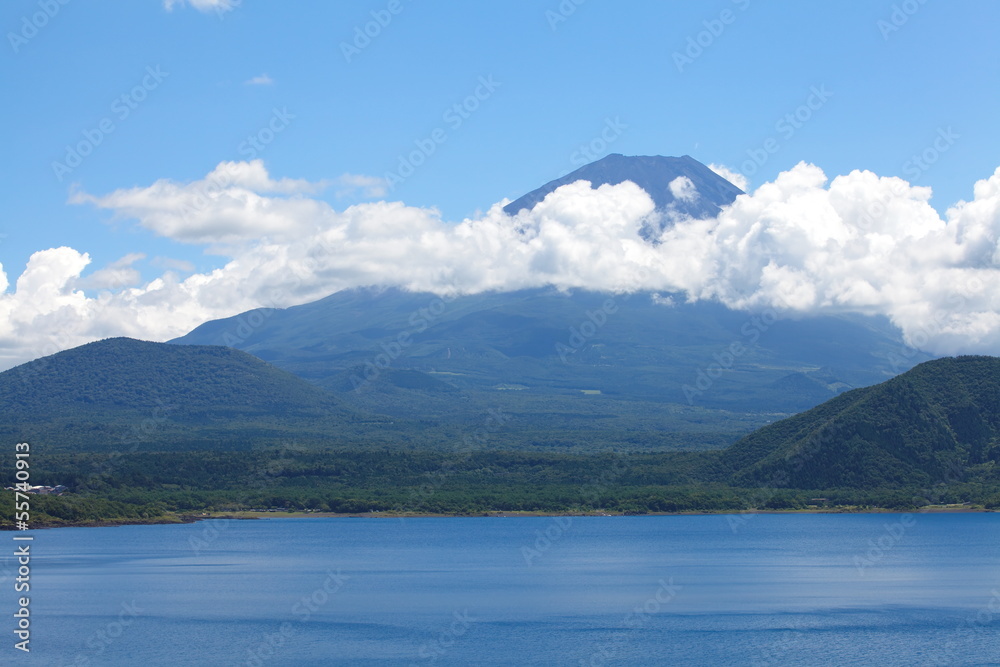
803	243
683	188
230	205
734	177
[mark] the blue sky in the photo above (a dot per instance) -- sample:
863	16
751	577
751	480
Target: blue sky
896	78
557	90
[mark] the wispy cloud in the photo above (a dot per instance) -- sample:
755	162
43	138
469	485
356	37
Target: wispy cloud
114	276
172	264
260	80
370	187
205	6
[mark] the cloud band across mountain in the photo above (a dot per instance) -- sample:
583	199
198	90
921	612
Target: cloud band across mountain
803	244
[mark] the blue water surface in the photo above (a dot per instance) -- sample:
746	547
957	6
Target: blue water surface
775	589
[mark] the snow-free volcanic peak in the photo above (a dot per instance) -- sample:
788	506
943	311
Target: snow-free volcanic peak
654	174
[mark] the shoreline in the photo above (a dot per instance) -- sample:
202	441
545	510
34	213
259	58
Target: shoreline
935	509
300	514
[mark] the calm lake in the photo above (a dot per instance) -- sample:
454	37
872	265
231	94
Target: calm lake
884	589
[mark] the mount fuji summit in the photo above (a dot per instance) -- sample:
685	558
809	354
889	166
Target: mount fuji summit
679	186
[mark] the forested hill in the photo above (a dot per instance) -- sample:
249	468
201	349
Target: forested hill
929	436
126	373
208	395
935	423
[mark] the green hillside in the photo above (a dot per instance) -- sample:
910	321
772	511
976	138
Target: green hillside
121	394
937	423
928	437
122	390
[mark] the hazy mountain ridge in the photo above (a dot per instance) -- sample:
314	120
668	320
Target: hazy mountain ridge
547	341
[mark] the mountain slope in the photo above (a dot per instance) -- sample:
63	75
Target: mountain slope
547	340
654	174
932	424
644	364
574	365
154	393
